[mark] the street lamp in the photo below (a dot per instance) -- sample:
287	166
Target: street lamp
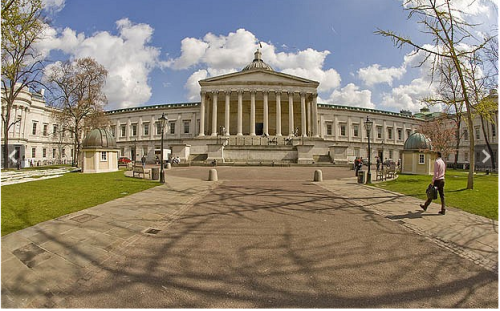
163	122
368	126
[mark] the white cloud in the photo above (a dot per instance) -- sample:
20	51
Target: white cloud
374	74
351	96
53	6
127	57
192	84
224	54
408	96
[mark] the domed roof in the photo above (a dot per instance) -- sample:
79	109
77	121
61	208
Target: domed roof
418	141
257	63
99	138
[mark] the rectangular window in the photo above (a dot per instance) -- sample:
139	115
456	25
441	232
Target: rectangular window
421	159
113	130
493	130
33	152
477	132
408	133
64	131
466	135
54	129
356	130
146	129
53	153
104	155
187	126
34	128
329	129
64	152
158	128
45	130
134	129
44	152
389	133
400	134
122	130
172	127
379	132
342	130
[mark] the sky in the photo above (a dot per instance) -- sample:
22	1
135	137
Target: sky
156	51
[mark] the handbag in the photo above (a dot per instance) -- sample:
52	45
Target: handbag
432	192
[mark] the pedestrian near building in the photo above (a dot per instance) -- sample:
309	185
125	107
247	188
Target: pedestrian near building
143	161
438	181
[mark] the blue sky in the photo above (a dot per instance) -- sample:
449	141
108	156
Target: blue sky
156	51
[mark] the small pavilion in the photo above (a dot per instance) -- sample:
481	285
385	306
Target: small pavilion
418	157
100	153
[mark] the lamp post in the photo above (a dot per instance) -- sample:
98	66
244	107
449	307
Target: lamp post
163	122
368	126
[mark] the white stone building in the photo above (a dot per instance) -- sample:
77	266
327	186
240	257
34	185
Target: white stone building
35	138
256	115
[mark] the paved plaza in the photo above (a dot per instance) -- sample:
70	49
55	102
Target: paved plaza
260	237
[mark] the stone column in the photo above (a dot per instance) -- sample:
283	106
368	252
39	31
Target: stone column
266	113
227	112
290	114
278	113
252	113
309	119
214	114
140	131
127	130
152	128
315	115
202	115
240	113
303	114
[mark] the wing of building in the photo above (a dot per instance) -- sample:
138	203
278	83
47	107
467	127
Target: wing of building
256	115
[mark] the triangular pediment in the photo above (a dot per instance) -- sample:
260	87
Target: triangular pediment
265	77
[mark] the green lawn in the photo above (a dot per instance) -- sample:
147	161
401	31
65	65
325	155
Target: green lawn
26	204
482	200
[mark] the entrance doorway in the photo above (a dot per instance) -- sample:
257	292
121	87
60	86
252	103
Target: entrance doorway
259	129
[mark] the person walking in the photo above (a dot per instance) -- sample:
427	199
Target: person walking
438	181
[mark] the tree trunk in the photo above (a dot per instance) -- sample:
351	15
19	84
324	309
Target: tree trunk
485	134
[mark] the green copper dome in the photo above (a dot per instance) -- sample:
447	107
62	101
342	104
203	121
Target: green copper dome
418	141
99	138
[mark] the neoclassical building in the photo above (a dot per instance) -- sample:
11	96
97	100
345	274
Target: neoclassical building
260	115
256	115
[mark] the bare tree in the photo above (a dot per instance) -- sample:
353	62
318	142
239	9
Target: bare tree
453	41
442	134
22	27
77	93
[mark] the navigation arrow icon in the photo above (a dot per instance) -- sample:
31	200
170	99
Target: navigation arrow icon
487	156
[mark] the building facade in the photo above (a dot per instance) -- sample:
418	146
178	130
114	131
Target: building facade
256	115
35	137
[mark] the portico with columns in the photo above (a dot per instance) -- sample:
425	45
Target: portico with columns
258	101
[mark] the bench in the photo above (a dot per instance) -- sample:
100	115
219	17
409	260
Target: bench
391	171
139	169
380	175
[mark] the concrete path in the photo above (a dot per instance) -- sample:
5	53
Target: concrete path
260	237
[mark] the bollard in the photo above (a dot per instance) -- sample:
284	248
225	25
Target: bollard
318	175
212	176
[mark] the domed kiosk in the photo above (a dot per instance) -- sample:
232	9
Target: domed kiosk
100	153
417	155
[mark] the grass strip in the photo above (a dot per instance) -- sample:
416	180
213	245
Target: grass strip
482	200
27	204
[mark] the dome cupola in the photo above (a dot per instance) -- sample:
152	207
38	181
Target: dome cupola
418	141
99	138
257	63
